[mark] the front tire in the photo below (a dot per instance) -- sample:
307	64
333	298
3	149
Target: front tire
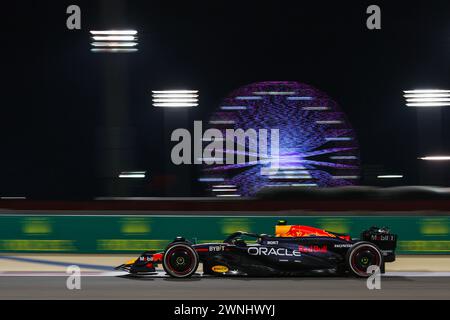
180	260
362	255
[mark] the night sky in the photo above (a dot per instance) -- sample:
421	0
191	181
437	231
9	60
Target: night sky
70	119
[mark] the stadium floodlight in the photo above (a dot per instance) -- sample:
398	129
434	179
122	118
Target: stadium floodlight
114	41
224	186
175	91
13	198
113	50
436	158
426	91
114	32
132	174
390	176
427	98
175	98
114	38
426	95
114	44
174	104
429	104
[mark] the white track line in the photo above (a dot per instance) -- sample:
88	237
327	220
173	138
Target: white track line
414	274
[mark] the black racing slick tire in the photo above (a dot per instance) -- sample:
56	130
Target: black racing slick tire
180	260
361	256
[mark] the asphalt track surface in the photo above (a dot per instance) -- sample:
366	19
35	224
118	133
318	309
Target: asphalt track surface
109	285
44	277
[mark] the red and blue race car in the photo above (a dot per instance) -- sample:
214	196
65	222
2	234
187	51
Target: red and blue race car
294	250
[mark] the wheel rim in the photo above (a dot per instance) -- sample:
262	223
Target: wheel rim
180	260
363	258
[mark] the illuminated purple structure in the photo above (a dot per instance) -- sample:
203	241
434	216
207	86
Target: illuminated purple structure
317	145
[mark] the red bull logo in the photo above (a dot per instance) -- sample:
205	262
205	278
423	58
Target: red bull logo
310	249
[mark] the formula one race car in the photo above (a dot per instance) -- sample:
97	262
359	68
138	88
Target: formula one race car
294	250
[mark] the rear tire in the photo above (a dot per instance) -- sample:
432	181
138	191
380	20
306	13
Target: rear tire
362	255
180	260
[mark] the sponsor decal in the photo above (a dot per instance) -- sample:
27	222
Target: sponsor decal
219	269
313	248
145	258
387	237
264	251
216	248
272	242
343	245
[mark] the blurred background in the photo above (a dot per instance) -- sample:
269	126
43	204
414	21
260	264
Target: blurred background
74	120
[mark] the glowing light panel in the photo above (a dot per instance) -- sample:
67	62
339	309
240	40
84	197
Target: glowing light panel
317	146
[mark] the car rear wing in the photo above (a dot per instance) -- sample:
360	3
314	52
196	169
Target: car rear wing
384	239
